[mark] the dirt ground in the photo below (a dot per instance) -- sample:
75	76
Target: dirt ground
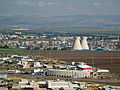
99	59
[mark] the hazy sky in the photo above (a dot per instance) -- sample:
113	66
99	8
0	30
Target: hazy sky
59	7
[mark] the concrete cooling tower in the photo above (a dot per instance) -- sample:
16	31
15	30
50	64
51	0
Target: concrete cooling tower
85	44
77	45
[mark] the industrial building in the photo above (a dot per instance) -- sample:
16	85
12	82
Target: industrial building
84	43
78	46
62	85
68	73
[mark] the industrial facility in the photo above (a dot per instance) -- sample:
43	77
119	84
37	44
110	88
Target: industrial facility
68	73
78	46
85	44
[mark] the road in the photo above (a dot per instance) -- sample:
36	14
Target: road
39	77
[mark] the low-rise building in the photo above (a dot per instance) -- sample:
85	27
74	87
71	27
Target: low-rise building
35	64
68	73
3	75
62	85
26	85
38	72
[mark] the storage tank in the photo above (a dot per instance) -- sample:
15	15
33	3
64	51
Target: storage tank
77	45
85	44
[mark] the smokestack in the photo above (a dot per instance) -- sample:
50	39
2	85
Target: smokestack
77	45
85	44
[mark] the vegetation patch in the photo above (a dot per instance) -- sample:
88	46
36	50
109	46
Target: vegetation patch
12	52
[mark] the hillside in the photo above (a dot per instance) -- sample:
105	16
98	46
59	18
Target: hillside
70	22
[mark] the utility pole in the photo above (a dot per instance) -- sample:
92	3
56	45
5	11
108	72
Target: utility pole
93	59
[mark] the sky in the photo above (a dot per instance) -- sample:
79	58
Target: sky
48	8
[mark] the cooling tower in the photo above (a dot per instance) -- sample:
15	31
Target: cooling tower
77	45
85	44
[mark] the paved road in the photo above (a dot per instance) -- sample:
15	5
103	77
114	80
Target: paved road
39	77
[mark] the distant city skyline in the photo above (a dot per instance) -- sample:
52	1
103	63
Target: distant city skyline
50	8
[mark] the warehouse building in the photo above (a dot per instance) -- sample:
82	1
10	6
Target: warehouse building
68	73
62	85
